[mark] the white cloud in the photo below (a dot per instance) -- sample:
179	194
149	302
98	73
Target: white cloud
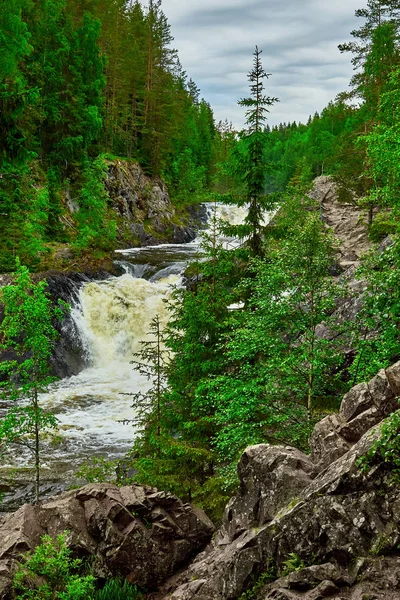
299	38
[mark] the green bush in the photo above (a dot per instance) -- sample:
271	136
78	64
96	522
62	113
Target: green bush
115	589
49	573
291	564
382	226
386	449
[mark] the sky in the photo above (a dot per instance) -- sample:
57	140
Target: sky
216	38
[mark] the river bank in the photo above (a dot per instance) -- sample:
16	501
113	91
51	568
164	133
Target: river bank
111	313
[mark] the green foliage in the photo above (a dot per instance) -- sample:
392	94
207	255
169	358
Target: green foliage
383	225
99	470
386	449
291	564
27	330
77	80
281	373
116	589
376	327
378	15
50	573
383	145
95	228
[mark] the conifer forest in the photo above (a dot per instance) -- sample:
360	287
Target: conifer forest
111	161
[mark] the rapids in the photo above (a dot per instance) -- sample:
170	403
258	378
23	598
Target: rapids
111	317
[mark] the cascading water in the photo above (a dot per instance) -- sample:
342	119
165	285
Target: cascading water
111	318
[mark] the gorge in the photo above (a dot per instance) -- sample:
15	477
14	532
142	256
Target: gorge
109	319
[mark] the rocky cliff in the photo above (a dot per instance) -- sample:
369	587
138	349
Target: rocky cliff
144	212
135	532
347	220
335	527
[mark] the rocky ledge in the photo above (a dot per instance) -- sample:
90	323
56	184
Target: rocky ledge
144	212
301	527
135	532
319	513
347	220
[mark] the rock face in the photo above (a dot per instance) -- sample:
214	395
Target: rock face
144	212
347	221
371	578
132	531
364	406
320	511
69	354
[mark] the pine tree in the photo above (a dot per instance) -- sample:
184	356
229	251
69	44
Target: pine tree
375	14
249	159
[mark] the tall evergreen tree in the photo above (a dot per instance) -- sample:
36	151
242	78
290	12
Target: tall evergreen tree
249	160
375	14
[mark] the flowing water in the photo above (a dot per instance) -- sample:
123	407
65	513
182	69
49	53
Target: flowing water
111	318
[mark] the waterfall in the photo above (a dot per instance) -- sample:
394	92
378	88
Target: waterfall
115	315
111	318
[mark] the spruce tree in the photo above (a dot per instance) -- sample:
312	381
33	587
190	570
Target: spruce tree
248	159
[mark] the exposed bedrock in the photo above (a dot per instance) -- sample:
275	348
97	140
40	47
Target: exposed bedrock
321	510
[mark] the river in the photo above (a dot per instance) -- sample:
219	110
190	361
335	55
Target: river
111	318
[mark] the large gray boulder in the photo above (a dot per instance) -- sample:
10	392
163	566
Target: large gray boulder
363	407
372	578
137	532
269	476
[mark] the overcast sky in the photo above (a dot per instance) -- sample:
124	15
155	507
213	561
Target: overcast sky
299	38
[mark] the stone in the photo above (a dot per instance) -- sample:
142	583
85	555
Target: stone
341	515
356	401
271	476
145	546
344	218
382	393
139	200
377	580
393	376
309	577
326	442
355	429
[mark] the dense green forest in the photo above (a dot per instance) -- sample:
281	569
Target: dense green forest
83	82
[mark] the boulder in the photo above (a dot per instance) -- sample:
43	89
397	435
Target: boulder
137	532
326	443
270	476
393	377
363	407
356	401
373	578
340	515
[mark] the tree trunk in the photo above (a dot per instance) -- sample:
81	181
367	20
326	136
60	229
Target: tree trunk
37	447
